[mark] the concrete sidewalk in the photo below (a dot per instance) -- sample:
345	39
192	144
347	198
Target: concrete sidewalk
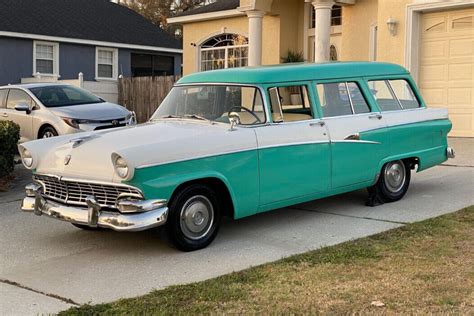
54	264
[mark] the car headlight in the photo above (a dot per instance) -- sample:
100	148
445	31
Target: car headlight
121	166
26	157
75	122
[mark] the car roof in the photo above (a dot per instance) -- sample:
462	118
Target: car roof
294	72
33	85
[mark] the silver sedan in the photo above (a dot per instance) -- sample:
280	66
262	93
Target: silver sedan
47	110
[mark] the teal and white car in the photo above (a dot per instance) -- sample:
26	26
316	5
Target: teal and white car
242	141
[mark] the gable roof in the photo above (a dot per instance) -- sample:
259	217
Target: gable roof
294	72
93	20
219	5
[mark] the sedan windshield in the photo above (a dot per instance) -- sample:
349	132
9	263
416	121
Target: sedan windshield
64	95
213	103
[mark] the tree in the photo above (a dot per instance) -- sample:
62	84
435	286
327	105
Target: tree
158	11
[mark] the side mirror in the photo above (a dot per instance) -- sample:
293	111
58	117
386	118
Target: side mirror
234	119
23	107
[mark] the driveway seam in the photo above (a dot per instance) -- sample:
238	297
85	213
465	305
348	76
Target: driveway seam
60	298
6	202
456	166
351	216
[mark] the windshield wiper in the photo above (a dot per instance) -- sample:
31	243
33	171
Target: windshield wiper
197	117
170	116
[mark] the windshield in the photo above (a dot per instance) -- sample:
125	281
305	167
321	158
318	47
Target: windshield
213	102
63	95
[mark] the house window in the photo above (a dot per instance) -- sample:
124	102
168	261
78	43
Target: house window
336	16
147	65
106	63
45	58
224	51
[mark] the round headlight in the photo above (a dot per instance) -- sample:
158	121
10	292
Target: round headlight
26	157
121	167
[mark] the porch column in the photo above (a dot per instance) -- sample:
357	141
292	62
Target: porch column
322	9
255	37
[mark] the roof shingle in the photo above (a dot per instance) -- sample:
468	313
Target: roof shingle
219	5
99	20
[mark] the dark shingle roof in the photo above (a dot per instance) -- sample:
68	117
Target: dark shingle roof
219	5
99	20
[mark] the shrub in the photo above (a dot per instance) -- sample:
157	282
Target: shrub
9	136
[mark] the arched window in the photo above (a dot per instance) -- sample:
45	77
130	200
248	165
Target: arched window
224	51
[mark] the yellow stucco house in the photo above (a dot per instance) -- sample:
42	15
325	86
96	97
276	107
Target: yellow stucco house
434	39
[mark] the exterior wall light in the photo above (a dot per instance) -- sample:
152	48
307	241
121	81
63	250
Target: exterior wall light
392	26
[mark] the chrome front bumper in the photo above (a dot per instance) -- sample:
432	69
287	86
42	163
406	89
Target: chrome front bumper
150	213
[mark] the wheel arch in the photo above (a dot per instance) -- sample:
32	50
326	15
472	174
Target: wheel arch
219	185
412	161
43	126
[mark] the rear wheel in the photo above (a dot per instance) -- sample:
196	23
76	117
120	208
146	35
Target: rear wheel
392	184
194	218
48	132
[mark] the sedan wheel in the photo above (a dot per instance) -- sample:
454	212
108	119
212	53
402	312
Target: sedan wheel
48	132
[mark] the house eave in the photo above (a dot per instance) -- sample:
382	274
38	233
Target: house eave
89	42
205	16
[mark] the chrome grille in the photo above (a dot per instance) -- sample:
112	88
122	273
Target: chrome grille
75	192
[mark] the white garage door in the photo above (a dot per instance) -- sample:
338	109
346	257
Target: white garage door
447	66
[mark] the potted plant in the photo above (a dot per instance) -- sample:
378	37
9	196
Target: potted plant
295	92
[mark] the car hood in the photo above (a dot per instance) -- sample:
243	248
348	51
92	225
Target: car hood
141	146
94	111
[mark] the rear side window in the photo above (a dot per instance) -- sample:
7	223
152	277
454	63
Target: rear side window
16	97
405	94
341	98
3	96
392	95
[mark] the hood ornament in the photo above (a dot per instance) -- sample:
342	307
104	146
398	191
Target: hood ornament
67	159
78	141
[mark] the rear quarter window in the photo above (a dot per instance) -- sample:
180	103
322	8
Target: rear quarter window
393	95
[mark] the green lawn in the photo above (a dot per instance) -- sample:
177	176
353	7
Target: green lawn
426	267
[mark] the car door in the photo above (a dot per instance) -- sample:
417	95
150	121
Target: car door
24	119
357	132
293	150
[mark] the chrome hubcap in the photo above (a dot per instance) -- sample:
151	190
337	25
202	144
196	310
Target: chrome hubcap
48	134
395	174
196	217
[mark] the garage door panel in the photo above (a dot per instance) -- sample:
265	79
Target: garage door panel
461	48
435	49
461	71
432	73
447	66
434	97
460	96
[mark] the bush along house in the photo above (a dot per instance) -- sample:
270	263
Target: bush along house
82	42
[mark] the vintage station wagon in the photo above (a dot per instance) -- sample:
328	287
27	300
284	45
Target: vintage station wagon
238	142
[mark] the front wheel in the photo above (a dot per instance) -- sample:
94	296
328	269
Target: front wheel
392	184
194	218
48	132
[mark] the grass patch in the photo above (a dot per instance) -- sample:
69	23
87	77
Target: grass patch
425	267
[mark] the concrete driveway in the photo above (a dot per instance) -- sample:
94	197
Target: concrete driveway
47	266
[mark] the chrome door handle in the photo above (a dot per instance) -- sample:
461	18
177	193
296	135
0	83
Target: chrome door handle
376	116
320	123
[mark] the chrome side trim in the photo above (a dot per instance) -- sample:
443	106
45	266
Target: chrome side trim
356	141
